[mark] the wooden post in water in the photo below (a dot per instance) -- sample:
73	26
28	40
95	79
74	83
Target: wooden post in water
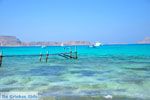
76	54
1	58
40	57
47	56
70	52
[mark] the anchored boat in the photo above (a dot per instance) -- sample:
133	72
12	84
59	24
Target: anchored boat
96	44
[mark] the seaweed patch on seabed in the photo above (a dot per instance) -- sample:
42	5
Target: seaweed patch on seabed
59	91
138	62
147	68
107	97
47	70
89	72
84	72
131	80
5	74
10	88
101	92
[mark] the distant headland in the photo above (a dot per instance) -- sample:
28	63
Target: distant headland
14	41
146	40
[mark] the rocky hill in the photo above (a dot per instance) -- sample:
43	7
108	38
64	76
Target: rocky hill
145	41
9	41
14	41
76	43
67	43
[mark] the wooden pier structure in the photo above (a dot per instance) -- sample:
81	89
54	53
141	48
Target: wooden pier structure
71	54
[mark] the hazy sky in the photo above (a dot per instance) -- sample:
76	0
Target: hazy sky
61	20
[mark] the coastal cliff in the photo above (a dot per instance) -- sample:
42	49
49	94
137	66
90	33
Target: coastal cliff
9	41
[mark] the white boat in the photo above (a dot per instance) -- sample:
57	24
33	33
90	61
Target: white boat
97	44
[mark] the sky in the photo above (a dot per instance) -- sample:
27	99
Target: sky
107	21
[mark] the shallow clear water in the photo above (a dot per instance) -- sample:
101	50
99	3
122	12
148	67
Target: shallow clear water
117	70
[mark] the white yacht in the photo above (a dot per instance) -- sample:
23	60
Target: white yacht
97	44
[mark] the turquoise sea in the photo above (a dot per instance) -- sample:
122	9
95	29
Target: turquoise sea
120	71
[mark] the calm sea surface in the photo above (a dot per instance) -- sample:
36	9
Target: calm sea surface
116	70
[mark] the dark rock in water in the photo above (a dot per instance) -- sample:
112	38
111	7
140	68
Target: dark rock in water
9	41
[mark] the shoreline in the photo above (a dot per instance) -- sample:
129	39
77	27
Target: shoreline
65	45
